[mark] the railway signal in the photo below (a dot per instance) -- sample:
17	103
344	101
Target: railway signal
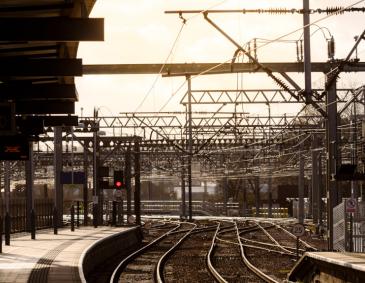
119	179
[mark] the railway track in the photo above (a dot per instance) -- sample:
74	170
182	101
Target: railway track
225	260
143	263
211	251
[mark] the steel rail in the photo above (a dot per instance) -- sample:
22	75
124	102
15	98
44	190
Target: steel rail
270	245
254	269
272	238
158	274
211	268
119	269
256	247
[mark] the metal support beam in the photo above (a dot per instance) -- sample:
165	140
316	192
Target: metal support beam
321	190
58	197
307	51
331	147
40	67
301	188
316	196
190	149
29	182
137	181
51	29
85	186
45	107
183	192
7	220
96	189
128	181
182	69
252	58
38	91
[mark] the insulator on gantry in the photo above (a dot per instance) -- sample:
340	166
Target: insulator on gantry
334	10
331	48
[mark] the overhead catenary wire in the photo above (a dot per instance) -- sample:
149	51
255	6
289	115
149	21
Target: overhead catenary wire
261	46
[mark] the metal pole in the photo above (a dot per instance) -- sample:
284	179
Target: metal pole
7	203
183	201
316	197
85	191
57	176
95	178
72	212
114	214
331	146
307	51
320	190
33	223
301	188
354	184
137	181
190	149
77	213
128	177
29	174
270	177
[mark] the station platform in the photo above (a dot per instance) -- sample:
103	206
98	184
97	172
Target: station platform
55	258
329	267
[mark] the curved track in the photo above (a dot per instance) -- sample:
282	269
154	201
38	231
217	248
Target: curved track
140	265
228	251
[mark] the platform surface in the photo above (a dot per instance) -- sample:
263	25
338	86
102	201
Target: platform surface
351	260
49	258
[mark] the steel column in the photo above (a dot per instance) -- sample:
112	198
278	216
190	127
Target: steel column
183	192
58	200
320	190
190	148
307	51
128	183
137	181
96	191
316	196
29	182
7	202
85	191
301	188
331	147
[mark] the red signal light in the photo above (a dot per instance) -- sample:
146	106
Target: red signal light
118	184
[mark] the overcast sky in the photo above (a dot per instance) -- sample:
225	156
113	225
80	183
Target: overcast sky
138	31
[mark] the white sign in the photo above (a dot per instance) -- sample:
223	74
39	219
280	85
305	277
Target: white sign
298	230
350	205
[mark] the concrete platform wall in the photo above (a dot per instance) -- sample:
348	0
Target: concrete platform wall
106	248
